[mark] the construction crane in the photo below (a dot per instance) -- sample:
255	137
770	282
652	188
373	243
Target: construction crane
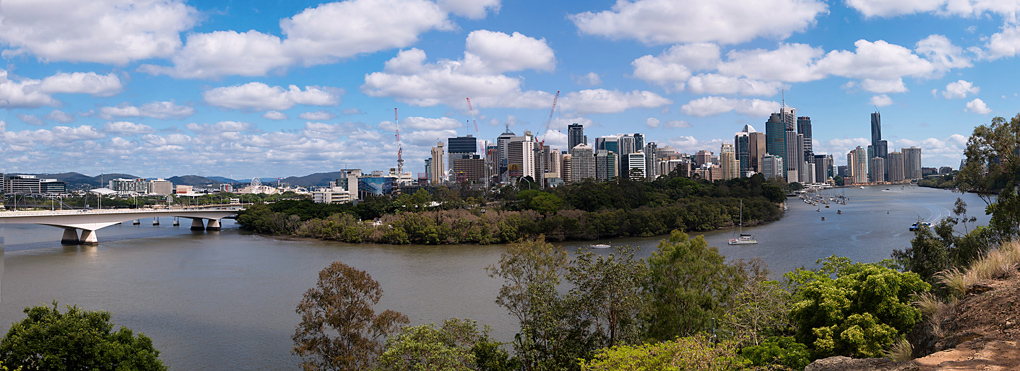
472	115
400	147
549	121
472	110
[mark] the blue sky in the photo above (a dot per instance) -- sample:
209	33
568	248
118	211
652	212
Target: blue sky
281	88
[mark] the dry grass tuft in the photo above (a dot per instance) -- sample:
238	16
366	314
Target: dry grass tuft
900	351
957	281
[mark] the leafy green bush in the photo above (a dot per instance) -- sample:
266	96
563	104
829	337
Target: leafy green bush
686	353
778	350
853	309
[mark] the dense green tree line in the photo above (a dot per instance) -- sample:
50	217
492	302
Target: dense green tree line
584	211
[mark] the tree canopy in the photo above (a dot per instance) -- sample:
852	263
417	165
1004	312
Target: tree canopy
75	340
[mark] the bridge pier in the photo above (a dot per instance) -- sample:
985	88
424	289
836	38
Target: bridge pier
88	237
214	225
197	225
70	237
155	221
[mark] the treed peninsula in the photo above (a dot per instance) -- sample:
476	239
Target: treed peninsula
584	211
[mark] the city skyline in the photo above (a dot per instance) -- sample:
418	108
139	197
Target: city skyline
259	88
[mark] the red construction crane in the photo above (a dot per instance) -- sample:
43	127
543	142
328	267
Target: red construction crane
549	121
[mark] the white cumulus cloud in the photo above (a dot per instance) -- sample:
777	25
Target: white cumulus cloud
960	89
125	127
258	96
157	110
685	21
317	116
978	106
880	100
101	31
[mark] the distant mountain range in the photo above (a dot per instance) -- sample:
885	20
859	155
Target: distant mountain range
77	180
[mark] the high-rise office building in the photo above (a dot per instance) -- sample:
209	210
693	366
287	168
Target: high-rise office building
460	148
575	135
628	145
772	166
651	160
756	149
876	128
728	161
857	163
912	163
804	127
582	163
823	163
702	158
792	160
521	157
636	170
502	162
437	173
789	117
605	165
742	147
775	137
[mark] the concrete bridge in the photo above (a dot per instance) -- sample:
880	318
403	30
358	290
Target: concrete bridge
89	221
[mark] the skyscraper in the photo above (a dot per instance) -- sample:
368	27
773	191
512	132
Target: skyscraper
728	161
636	161
894	167
792	160
437	173
876	129
756	149
804	127
775	137
912	163
575	135
877	169
651	160
742	143
582	163
605	165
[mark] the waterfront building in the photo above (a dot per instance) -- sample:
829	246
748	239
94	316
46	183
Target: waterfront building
437	173
729	165
823	166
912	163
575	135
877	169
52	186
582	163
894	167
857	167
772	166
129	186
331	195
22	184
161	187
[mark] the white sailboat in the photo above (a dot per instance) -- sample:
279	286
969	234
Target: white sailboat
743	239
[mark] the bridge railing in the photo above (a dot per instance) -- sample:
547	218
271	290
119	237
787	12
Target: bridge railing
112	211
